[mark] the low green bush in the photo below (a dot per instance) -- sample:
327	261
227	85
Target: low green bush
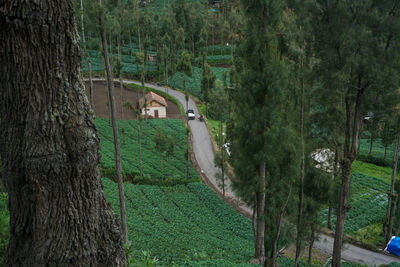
4	227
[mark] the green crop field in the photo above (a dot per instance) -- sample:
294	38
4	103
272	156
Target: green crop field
368	200
154	164
378	151
157	6
178	223
224	59
128	61
193	84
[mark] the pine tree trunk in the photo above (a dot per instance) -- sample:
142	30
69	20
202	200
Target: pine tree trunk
259	242
278	231
351	135
121	86
335	175
392	196
370	145
89	62
117	152
384	155
300	208
253	223
140	146
49	144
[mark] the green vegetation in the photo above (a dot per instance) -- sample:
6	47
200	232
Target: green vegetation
371	235
183	223
4	227
378	152
383	173
368	200
193	84
154	166
219	59
129	62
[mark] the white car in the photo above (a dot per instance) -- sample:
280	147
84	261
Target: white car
190	114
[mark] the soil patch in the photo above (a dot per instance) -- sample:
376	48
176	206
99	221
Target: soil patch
102	110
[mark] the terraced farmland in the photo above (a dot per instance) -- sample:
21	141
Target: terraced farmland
179	223
368	200
155	165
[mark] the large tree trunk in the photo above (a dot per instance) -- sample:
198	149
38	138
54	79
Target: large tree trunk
117	152
351	136
89	62
392	195
259	241
49	144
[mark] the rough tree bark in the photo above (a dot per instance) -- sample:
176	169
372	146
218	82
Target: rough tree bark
49	144
117	152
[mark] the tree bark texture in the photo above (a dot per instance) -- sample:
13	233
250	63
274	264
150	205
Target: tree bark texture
49	144
117	152
259	242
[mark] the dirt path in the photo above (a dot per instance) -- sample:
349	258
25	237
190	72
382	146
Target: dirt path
101	108
204	154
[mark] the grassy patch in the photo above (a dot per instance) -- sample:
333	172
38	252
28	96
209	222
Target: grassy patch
371	235
383	173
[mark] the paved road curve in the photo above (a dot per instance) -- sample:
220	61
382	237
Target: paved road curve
204	154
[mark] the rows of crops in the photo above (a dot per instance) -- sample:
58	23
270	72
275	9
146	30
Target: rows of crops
368	200
378	152
225	59
128	61
177	223
157	6
155	164
193	84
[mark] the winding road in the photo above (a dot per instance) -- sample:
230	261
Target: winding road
204	153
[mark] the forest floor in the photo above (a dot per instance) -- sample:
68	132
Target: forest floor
101	99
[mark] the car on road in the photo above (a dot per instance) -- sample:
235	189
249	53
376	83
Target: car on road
190	114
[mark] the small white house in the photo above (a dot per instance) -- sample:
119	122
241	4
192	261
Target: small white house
156	105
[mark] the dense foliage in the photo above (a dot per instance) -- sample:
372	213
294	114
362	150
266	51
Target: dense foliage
182	223
193	84
156	165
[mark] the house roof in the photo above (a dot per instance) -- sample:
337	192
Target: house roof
150	97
